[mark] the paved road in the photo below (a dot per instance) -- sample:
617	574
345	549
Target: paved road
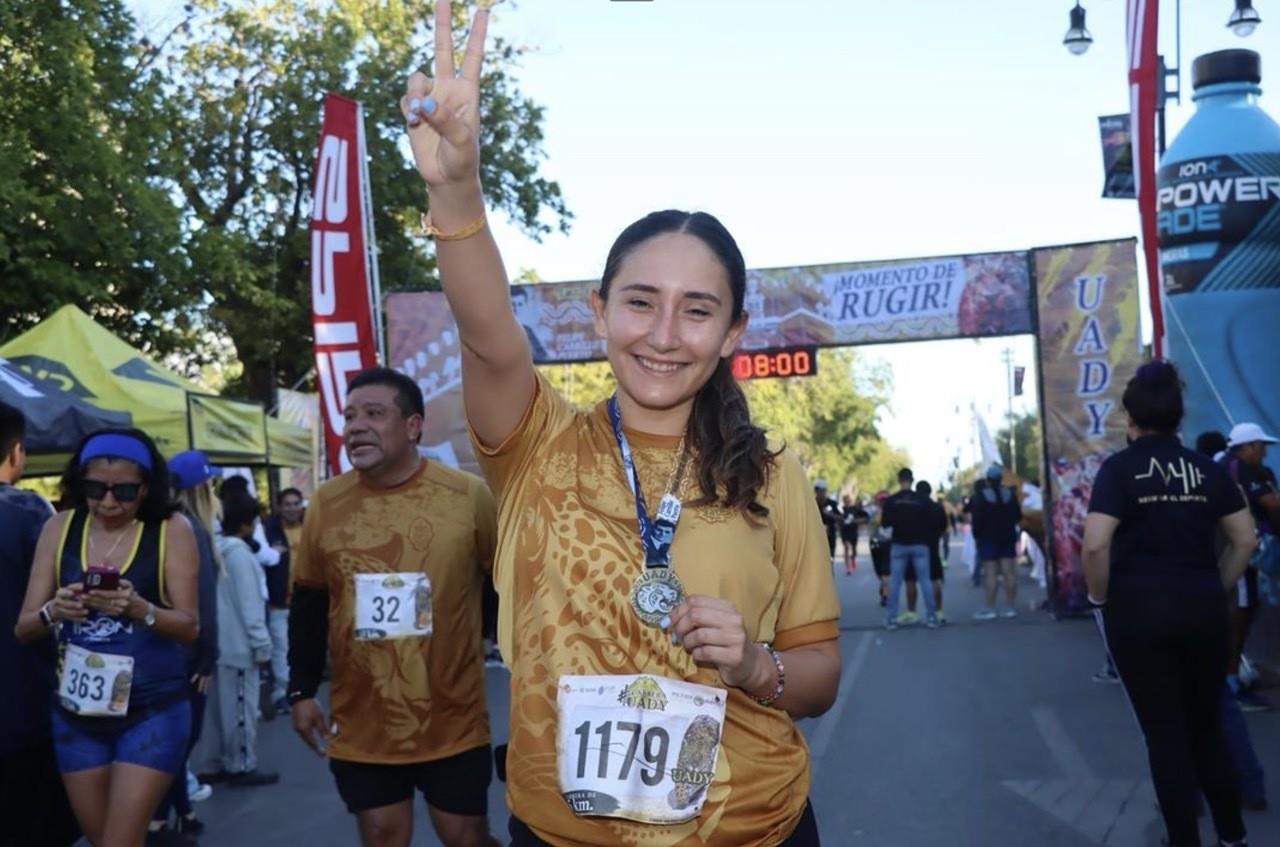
974	734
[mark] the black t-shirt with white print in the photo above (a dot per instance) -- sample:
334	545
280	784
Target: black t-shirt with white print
1168	500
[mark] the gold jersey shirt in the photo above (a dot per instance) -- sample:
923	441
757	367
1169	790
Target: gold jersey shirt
411	699
568	551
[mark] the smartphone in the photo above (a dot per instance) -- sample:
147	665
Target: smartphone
101	578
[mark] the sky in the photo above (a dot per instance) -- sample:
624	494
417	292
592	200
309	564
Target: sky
845	130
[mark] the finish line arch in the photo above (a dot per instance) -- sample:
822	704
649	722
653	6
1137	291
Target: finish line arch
1079	301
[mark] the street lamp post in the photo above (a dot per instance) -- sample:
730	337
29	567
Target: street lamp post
1243	21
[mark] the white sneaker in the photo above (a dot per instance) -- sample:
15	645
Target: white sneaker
1008	613
985	615
1248	673
203	792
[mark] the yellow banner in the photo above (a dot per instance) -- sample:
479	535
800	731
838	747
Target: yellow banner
1090	345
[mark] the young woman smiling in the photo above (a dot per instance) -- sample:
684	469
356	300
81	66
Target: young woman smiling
659	655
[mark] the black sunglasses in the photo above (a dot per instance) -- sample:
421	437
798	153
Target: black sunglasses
125	492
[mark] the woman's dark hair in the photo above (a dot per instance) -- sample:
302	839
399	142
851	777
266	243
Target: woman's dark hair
1211	443
239	510
156	506
733	456
1153	398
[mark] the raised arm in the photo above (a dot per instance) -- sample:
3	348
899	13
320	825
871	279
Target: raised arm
443	117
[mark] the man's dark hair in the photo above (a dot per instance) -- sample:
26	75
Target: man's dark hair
408	394
905	475
923	487
286	492
234	486
13	428
238	511
1211	443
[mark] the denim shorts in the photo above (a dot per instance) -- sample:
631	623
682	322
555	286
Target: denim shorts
154	737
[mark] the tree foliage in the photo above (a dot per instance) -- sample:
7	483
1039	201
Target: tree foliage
87	217
1027	441
830	421
163	180
249	79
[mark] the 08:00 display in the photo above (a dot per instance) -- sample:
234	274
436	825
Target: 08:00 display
786	362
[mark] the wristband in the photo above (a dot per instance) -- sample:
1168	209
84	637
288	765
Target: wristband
45	617
782	676
1097	604
294	696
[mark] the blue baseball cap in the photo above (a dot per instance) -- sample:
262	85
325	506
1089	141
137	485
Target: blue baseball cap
995	472
190	468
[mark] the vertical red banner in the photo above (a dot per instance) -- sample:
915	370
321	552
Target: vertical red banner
341	312
1141	26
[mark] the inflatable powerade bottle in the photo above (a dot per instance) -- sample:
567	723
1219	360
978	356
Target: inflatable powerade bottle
1219	233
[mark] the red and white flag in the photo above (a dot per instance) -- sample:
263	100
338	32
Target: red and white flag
1141	26
342	280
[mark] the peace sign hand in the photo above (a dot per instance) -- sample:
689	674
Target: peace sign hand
443	114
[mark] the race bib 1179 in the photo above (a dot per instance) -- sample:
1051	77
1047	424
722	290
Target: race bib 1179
642	747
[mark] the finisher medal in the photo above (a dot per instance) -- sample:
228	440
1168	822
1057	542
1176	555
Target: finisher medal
655	593
658	590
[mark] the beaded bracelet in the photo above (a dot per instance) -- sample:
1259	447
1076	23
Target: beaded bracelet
782	676
431	230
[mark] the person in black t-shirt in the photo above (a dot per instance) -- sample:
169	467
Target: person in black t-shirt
996	515
910	521
830	511
938	529
33	802
1152	574
852	516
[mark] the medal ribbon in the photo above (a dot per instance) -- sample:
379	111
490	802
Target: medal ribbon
656	534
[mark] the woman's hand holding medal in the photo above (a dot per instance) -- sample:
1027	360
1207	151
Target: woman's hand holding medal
713	633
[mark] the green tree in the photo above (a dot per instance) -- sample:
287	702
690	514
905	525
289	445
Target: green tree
87	217
1026	431
830	420
248	80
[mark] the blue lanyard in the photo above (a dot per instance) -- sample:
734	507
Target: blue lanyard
657	533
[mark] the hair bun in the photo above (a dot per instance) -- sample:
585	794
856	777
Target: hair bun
1158	373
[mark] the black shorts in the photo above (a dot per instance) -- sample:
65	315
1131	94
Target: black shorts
880	559
849	536
458	785
935	567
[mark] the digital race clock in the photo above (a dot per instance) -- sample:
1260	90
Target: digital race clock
795	360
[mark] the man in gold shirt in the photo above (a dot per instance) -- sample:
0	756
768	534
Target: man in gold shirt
388	575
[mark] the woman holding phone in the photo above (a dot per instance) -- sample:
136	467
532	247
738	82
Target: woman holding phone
659	655
114	580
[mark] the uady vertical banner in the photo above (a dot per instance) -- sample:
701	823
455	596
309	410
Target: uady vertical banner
1090	345
341	296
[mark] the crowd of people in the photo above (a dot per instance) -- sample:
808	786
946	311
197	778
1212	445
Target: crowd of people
655	682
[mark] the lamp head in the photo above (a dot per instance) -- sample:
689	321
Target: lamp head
1077	39
1244	20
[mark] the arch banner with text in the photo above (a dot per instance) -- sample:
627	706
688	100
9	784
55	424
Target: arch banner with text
968	296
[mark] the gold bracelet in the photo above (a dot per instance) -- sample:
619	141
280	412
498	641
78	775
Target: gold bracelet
432	231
